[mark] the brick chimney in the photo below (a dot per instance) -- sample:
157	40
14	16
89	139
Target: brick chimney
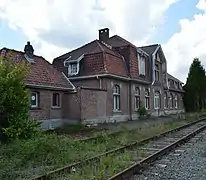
104	34
29	50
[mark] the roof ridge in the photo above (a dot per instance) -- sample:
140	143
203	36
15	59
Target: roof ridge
17	51
100	45
126	41
150	45
75	49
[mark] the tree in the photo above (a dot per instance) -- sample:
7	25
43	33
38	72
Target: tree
14	101
194	97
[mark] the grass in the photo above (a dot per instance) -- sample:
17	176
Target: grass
47	152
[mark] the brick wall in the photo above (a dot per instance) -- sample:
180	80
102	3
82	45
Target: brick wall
45	110
93	104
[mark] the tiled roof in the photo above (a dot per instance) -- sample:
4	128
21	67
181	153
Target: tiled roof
109	62
173	78
150	48
117	41
42	73
92	47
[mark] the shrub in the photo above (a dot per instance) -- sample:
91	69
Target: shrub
142	111
14	101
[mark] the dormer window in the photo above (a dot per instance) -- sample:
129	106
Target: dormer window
73	68
142	65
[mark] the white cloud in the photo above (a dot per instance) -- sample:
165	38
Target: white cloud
58	25
188	43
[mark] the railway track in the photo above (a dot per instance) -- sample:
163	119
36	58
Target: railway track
136	151
156	149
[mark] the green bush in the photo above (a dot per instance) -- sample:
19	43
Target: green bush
14	101
142	110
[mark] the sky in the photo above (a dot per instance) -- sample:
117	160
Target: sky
55	27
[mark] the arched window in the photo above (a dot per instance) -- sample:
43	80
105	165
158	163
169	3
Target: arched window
137	98
165	101
157	100
147	98
171	100
116	98
157	72
176	102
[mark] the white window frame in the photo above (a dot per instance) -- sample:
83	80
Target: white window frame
157	71
171	101
157	100
142	65
37	99
147	99
165	101
176	103
137	98
116	98
56	106
70	68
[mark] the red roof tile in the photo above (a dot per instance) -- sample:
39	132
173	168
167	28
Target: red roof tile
111	62
42	73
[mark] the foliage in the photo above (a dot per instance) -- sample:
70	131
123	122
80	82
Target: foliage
46	152
195	88
142	110
14	101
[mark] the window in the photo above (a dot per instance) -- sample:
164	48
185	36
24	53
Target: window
55	100
175	84
157	100
34	99
147	104
142	67
157	73
165	101
137	98
116	98
73	68
171	101
176	104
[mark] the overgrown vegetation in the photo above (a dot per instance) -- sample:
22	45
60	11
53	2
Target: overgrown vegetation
142	111
47	152
14	102
114	163
195	88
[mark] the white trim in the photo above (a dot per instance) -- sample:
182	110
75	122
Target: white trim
36	98
73	87
67	63
156	98
110	75
139	50
153	63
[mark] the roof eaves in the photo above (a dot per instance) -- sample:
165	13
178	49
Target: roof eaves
47	87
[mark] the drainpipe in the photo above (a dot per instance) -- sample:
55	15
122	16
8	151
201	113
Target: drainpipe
100	82
80	104
130	101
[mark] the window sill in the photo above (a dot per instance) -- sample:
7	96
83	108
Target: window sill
34	108
56	107
117	111
142	75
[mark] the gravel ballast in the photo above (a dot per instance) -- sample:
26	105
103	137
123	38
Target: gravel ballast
187	165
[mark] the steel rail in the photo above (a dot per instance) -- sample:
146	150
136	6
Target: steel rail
137	167
69	167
